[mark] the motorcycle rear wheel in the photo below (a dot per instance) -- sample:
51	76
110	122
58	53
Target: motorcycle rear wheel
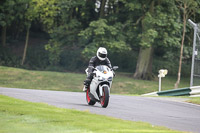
88	99
105	98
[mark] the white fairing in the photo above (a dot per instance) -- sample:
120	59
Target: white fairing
103	76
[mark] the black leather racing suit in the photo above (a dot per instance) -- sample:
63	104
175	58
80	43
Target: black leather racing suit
94	61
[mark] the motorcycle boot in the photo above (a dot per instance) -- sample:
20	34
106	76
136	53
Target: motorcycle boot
86	84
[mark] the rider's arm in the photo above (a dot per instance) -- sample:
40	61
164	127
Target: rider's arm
91	65
108	63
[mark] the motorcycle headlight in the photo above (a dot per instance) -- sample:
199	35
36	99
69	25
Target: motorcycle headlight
110	79
101	79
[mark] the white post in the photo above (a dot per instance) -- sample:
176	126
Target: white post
193	54
159	83
161	74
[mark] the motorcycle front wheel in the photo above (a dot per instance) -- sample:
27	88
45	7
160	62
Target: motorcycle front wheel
105	98
88	99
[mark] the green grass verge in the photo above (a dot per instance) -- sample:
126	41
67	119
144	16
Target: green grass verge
195	100
19	116
63	81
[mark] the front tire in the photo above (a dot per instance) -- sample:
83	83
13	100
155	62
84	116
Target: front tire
105	98
88	99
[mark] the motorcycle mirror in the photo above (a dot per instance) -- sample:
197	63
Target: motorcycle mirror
115	67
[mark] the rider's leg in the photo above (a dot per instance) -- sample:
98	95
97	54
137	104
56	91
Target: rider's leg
87	82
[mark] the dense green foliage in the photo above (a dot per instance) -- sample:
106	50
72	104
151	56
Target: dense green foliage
65	34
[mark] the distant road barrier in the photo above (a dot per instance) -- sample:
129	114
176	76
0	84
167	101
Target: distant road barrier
189	91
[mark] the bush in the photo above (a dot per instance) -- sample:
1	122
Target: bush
36	58
71	60
126	61
171	66
7	58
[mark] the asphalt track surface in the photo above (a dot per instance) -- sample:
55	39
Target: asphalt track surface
168	112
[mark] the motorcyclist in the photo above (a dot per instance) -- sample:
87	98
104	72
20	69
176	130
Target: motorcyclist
99	59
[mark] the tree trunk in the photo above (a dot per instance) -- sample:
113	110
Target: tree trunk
102	8
144	62
26	46
3	36
181	52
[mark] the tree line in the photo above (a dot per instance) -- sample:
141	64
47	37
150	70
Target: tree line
143	27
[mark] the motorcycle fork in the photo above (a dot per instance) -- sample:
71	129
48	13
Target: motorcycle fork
101	89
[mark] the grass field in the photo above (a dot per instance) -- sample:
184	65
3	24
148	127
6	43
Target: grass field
19	116
63	81
195	100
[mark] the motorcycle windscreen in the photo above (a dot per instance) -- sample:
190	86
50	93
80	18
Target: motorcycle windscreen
102	68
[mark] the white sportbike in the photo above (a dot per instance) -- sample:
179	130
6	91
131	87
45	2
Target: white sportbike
99	89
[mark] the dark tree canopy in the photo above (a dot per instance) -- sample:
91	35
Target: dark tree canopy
38	34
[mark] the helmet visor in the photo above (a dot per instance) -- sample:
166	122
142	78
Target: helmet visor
102	55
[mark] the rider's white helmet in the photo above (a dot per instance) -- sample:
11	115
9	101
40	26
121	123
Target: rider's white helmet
102	53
